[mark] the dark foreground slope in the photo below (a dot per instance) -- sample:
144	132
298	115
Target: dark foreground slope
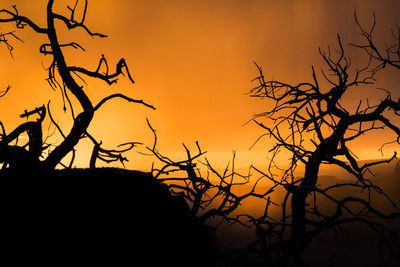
106	216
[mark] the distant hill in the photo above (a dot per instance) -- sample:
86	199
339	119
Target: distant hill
377	170
325	180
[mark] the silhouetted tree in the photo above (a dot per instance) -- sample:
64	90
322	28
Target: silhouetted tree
212	195
310	121
61	76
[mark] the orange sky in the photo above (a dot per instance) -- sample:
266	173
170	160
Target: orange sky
193	60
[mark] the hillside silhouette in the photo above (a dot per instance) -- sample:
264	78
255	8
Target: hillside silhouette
102	216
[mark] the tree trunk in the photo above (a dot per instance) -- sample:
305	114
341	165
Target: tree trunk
82	121
299	240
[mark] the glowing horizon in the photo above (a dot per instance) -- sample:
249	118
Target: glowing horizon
193	61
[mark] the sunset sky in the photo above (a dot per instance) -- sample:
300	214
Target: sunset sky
192	60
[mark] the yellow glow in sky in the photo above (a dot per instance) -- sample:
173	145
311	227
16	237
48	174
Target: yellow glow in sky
192	60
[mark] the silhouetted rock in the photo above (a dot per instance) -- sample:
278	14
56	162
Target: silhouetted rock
102	216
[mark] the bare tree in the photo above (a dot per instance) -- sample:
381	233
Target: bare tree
210	195
63	77
310	121
215	196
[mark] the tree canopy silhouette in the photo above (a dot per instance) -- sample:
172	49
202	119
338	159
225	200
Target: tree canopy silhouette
310	121
64	77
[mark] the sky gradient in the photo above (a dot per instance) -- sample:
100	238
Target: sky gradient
192	60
